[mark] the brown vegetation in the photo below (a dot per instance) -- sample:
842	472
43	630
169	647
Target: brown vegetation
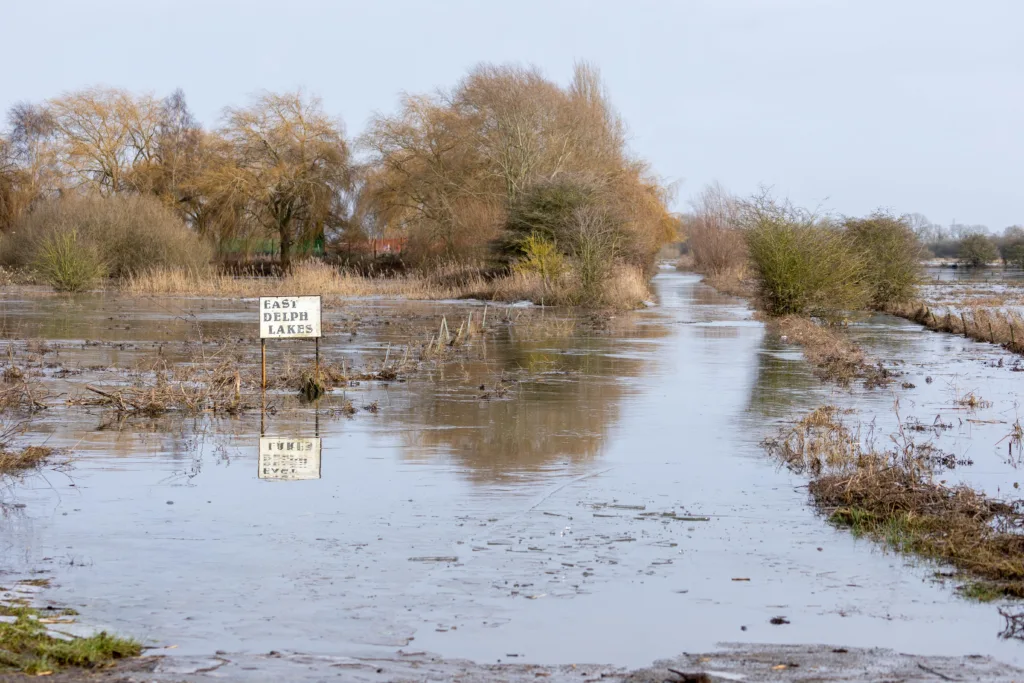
834	357
624	288
21	460
470	175
118	235
892	496
508	149
982	324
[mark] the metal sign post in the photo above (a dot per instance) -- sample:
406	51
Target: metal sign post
288	317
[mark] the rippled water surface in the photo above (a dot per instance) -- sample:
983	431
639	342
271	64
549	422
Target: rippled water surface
479	522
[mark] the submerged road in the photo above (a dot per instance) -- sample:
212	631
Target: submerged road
613	504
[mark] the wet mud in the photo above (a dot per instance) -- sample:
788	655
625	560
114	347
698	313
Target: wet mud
598	495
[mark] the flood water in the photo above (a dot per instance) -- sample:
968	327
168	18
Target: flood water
469	524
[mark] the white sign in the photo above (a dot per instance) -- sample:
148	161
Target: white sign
289	316
289	459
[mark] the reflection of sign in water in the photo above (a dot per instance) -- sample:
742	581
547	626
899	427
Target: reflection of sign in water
289	316
290	459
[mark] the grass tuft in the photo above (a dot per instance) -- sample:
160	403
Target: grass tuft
26	646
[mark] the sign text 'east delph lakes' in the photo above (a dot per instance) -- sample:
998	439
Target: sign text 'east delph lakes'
289	458
289	316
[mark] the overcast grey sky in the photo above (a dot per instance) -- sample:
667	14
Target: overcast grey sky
914	105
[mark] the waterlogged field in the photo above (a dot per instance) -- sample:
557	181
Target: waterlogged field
549	490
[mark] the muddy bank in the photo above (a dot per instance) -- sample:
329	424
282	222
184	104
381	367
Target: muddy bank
730	663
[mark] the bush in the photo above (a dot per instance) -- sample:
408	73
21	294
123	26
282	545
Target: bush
67	263
892	257
544	212
715	248
127	234
977	250
594	242
542	257
571	234
802	265
713	239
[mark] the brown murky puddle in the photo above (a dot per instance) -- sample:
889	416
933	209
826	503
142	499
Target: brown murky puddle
615	506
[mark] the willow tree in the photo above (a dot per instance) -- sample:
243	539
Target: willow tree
290	162
105	138
456	166
28	168
426	179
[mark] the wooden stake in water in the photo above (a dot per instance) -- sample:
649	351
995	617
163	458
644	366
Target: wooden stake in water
263	363
316	365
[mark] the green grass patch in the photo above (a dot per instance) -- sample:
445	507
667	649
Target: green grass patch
981	591
26	646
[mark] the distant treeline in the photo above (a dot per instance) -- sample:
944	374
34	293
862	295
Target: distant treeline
506	168
795	261
970	244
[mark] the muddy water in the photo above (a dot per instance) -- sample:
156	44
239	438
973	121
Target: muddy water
483	524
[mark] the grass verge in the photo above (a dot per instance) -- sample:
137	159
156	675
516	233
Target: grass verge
891	496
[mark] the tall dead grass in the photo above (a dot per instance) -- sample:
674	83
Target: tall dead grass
14	462
310	277
1004	328
626	287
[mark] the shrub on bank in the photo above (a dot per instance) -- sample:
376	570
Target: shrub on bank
68	263
891	255
712	236
125	235
803	265
571	236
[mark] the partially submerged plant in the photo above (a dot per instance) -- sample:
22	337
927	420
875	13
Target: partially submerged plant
972	401
891	496
18	461
833	355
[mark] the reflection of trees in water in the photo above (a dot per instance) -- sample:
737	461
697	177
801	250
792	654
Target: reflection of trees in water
785	384
568	399
118	319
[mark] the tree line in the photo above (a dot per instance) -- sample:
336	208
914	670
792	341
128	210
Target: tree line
505	163
972	245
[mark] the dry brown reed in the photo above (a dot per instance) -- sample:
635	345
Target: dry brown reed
835	358
626	289
13	462
1004	328
735	281
892	496
18	388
